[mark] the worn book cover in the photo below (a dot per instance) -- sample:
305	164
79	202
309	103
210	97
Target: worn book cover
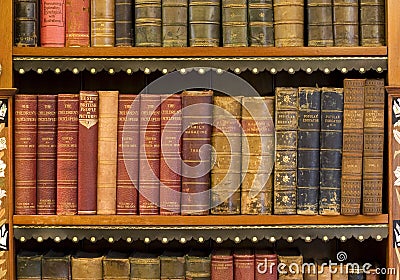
52	23
372	23
289	23
234	23
320	23
26	32
174	23
148	23
345	23
260	23
204	23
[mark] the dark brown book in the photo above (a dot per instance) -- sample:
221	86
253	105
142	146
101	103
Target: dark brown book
266	264
26	23
243	263
144	266
148	29
198	265
320	23
116	266
56	266
102	25
221	264
25	135
123	23
87	266
372	23
260	23
77	23
29	265
234	23
46	164
204	23
345	23
289	23
290	260
52	23
172	265
174	23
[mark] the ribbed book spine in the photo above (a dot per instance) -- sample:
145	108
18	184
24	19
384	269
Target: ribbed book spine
243	263
29	265
144	266
287	262
77	23
174	23
116	266
289	23
26	23
372	23
52	23
204	23
266	263
320	23
56	265
345	23
172	265
234	23
260	23
123	23
102	25
221	264
87	266
148	26
198	265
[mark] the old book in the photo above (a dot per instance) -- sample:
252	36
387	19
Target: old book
116	266
174	23
198	265
77	23
172	265
372	23
324	270
87	266
310	271
29	265
67	154
149	154
107	153
243	263
345	23
26	23
374	130
265	264
309	114
52	23
353	145
144	266
148	23
339	272
221	264
373	274
356	273
330	150
291	261
320	23
260	23
87	152
56	266
234	23
46	162
286	124
25	135
102	25
258	143
289	23
170	156
123	23
226	155
128	154
204	23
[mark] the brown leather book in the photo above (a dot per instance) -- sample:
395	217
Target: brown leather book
372	23
107	153
339	272
198	265
116	266
87	266
258	143
46	185
148	29
77	23
87	152
243	263
52	23
25	135
67	154
123	23
226	155
324	271
234	23
174	23
172	265
144	266
204	23
260	23
170	156
221	264
196	152
291	262
56	266
266	264
320	23
345	23
353	145
310	271
29	265
26	23
128	154
374	139
102	25
289	23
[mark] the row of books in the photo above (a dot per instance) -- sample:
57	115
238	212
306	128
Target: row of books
181	23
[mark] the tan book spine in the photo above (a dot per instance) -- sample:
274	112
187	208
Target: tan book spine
345	23
289	23
372	23
102	19
87	266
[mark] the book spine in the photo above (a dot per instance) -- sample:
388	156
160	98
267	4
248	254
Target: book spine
102	28
320	23
330	150
198	268
221	267
170	161
77	27
289	23
374	141
308	151
149	154
29	267
52	23
372	23
25	134
128	154
26	23
172	268
287	263
116	268
46	163
56	267
204	23
148	23
345	23
87	152
261	23
234	23
87	268
107	153
174	23
286	118
123	23
243	267
145	268
67	154
266	267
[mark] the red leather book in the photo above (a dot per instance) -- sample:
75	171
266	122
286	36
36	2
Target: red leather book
243	263
221	265
87	152
67	154
52	23
77	23
266	265
170	161
149	154
46	185
128	154
25	132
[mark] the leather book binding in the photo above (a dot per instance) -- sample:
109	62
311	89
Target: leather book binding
52	23
123	23
172	265
87	152
221	264
144	265
148	25
174	23
289	23
116	266
46	163
26	23
320	23
29	265
266	263
311	272
261	23
324	271
372	23
102	25
77	23
330	150
288	258
345	23
204	23
339	272
56	265
25	135
243	263
67	154
198	265
234	23
87	266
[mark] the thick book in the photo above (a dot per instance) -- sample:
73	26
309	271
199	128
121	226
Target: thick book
52	23
25	136
87	266
128	154
145	266
87	152
116	266
311	271
123	23
26	23
196	151
29	265
67	154
286	125
324	271
148	26
172	265
345	23
372	23
258	142
221	264
204	23
260	23
339	272
289	23
198	265
320	23
56	266
330	150
353	146
174	23
290	260
226	155
265	264
77	23
107	153
170	155
102	23
234	23
243	263
374	141
46	162
309	124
